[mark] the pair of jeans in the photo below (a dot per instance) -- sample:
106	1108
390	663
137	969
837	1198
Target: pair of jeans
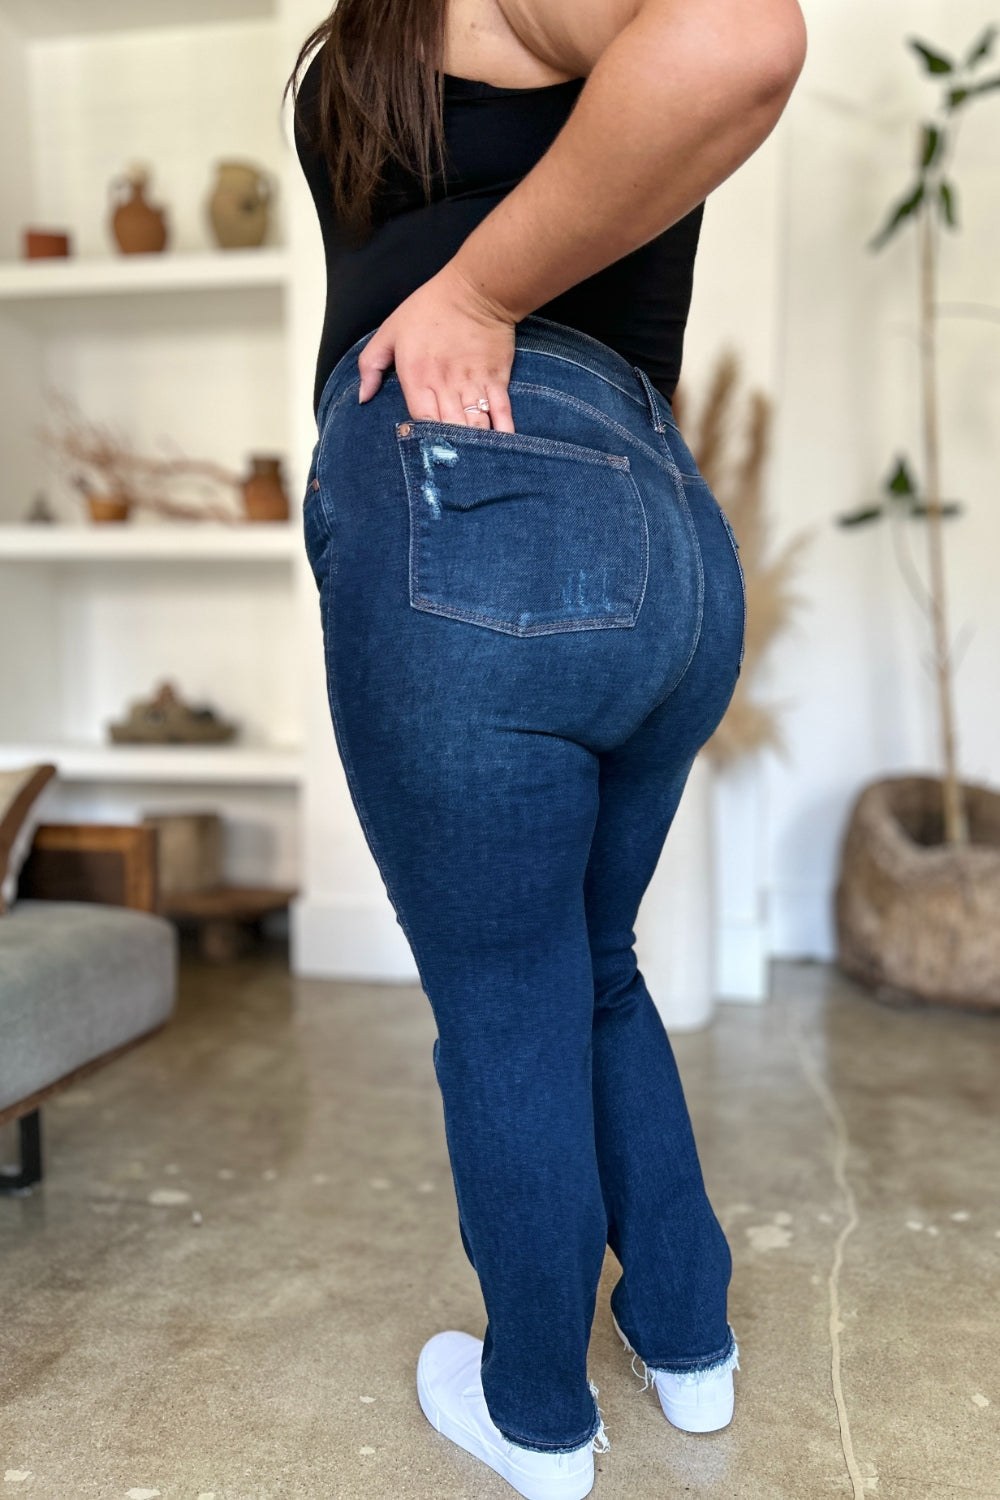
527	637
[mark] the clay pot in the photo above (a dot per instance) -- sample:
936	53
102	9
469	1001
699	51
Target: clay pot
108	507
239	208
264	496
918	920
138	227
43	244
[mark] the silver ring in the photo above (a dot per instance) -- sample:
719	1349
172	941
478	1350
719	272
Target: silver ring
481	405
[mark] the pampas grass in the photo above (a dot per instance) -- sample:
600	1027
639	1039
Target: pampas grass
730	441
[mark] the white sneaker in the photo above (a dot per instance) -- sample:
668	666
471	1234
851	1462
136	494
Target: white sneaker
450	1389
694	1402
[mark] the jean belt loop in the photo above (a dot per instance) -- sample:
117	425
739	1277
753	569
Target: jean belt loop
650	394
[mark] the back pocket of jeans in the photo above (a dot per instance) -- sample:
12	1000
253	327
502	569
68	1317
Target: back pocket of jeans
525	535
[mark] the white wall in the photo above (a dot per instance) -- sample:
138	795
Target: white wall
827	328
343	924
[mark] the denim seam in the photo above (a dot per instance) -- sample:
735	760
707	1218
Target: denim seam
528	345
535	334
645	544
664	460
667	460
511	442
555	627
739	563
743	581
328	402
540	340
652	398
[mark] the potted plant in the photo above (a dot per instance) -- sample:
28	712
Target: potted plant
917	903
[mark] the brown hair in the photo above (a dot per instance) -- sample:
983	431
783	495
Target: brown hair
380	97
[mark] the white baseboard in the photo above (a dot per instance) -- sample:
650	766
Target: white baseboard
349	939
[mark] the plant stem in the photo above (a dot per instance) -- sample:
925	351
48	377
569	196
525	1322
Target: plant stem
956	829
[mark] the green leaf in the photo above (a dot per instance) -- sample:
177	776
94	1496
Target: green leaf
860	517
955	97
899	214
947	205
900	482
982	48
934	62
933	144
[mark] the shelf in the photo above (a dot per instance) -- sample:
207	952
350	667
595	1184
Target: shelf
51	18
235	764
181	541
171	271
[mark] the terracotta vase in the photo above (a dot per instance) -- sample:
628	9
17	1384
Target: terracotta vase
108	507
264	495
138	227
239	208
41	244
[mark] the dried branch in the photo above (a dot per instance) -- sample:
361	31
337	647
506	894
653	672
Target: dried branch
111	463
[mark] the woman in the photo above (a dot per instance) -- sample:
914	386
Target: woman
533	613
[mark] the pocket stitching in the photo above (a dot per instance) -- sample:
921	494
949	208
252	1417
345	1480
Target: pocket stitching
426	605
509	442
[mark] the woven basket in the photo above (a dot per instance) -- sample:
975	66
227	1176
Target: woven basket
918	921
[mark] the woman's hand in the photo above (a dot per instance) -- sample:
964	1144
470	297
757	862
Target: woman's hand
450	346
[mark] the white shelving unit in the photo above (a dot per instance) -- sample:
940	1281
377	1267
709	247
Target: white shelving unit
95	275
191	349
199	765
211	353
178	541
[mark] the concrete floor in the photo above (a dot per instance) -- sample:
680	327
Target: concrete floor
247	1231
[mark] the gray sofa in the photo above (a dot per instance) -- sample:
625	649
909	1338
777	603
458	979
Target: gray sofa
87	970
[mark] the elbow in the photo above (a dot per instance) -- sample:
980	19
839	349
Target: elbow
775	56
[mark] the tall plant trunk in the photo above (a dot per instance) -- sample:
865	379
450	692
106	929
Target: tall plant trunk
956	830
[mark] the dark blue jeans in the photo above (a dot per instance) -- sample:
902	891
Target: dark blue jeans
528	637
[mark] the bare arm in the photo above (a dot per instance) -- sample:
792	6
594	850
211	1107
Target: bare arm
685	93
680	97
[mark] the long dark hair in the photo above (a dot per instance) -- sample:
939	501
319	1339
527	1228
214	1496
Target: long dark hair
380	97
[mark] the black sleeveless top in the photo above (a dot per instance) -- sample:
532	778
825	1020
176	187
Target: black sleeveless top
493	136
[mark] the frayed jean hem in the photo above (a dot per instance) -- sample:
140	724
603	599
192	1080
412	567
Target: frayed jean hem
596	1438
691	1371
